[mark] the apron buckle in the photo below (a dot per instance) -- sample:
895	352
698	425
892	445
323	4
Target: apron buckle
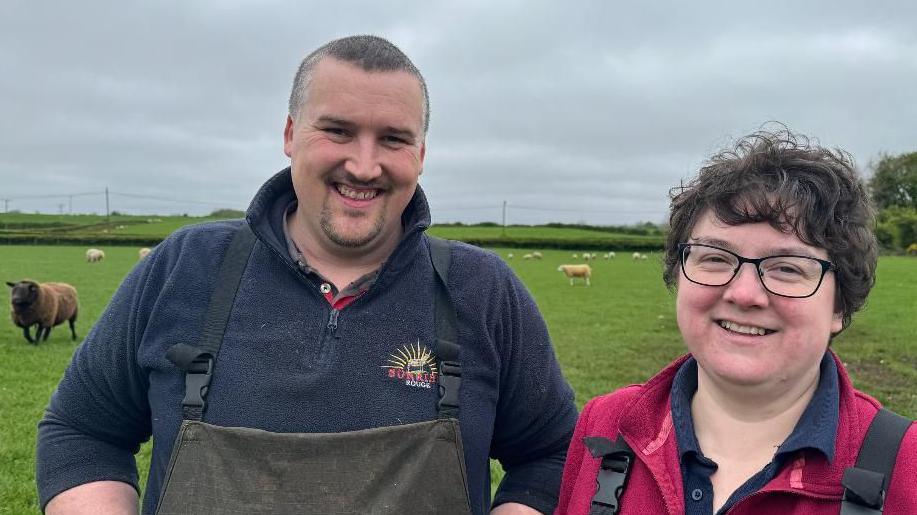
197	381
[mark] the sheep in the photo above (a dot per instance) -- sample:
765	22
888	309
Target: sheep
587	256
42	304
527	256
142	253
94	255
643	257
571	271
575	256
537	255
611	255
635	256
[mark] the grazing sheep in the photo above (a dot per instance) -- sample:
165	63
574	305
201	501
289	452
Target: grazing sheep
635	256
94	255
611	255
572	271
537	255
42	304
142	253
527	256
643	257
575	256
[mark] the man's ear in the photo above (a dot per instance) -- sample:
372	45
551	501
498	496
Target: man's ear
288	137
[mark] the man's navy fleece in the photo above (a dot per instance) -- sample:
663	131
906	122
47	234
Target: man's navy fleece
288	363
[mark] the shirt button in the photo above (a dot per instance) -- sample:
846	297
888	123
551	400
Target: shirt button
324	288
697	494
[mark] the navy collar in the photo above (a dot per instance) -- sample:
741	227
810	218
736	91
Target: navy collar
816	428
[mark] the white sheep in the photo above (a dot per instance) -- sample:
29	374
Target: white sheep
44	305
611	255
587	256
145	251
572	271
643	257
537	255
94	255
575	256
527	256
509	256
635	256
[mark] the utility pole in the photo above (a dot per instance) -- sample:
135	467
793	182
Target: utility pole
107	214
70	204
60	208
6	205
504	218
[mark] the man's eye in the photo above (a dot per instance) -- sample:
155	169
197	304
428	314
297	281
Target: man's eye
337	131
395	140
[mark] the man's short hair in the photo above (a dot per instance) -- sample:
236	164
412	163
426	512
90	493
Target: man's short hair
796	186
370	53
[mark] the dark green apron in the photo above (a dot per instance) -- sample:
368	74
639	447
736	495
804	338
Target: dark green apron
412	468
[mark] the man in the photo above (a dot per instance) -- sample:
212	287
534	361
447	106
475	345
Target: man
331	386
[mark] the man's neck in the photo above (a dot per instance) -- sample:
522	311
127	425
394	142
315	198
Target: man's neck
340	265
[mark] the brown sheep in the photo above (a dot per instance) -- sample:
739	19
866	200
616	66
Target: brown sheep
43	304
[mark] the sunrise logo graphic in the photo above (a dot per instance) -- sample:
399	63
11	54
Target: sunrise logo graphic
413	364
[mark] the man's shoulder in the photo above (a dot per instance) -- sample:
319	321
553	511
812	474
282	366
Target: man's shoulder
204	236
467	257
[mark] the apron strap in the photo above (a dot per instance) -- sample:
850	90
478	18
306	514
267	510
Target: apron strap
198	360
446	323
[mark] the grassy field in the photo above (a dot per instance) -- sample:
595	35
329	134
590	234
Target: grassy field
619	331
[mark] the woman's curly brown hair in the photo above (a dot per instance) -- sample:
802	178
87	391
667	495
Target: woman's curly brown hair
794	185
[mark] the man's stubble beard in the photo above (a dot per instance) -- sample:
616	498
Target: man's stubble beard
332	233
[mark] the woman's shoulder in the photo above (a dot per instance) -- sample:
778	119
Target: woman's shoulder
603	413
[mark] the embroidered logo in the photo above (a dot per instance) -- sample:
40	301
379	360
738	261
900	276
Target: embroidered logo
413	364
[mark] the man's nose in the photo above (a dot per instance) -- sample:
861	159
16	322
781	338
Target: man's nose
746	288
363	162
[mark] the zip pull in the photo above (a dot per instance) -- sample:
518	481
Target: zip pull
333	320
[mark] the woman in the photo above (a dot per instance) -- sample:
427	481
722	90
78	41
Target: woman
771	252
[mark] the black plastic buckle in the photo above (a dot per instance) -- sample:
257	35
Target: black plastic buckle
450	380
611	479
197	381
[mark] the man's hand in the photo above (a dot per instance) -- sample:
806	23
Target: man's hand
514	508
96	498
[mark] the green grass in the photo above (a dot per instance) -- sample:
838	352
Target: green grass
620	330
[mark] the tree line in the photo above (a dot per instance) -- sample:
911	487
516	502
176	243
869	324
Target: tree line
893	188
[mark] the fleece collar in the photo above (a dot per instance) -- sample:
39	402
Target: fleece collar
266	213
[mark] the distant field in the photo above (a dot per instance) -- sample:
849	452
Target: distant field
148	230
618	331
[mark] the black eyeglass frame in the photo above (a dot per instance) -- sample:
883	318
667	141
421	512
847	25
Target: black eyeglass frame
825	267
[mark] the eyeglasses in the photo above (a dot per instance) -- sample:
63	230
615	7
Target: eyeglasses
787	275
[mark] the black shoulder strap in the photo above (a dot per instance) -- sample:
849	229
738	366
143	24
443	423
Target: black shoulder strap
447	346
617	458
866	483
198	360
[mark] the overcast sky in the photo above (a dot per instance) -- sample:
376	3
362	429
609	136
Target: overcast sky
568	111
